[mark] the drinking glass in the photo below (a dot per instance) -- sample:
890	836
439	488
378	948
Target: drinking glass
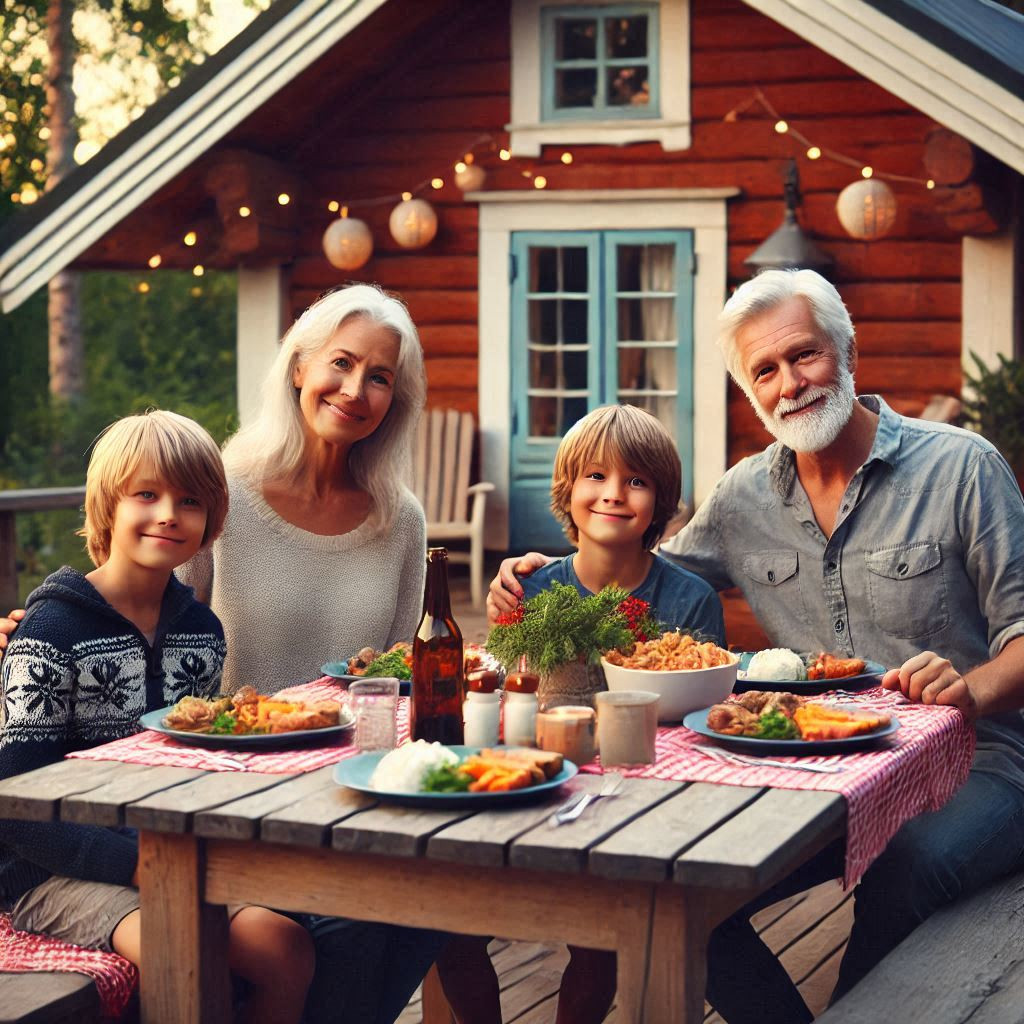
374	703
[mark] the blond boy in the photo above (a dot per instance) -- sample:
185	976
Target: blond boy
96	651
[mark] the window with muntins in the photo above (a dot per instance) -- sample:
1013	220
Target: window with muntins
600	62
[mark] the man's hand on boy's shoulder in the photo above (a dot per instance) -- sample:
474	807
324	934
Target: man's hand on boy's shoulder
505	592
8	626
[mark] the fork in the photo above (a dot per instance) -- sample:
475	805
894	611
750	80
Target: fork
574	807
755	762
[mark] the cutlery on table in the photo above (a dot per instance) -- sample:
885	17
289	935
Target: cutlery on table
728	757
577	804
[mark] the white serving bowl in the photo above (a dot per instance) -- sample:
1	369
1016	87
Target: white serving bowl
681	691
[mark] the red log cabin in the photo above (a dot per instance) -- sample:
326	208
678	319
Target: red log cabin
653	129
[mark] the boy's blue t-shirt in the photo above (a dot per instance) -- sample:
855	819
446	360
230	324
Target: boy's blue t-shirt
678	598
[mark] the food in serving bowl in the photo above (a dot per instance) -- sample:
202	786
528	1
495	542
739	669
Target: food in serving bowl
788	716
248	713
685	673
422	767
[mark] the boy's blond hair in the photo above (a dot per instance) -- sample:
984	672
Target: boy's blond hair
627	435
179	451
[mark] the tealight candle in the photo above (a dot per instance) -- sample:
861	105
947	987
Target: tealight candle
569	730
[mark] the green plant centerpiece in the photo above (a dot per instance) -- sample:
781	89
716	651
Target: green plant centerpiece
993	406
561	636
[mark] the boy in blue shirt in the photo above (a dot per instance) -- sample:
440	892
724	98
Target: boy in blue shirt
96	651
616	484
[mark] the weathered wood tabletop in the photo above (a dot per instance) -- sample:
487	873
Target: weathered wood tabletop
647	873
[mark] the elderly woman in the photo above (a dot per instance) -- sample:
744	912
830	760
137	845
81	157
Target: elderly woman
323	551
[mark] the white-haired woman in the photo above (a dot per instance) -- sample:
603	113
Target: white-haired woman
323	551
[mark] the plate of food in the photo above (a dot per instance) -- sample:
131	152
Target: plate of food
431	775
779	668
778	722
248	720
396	662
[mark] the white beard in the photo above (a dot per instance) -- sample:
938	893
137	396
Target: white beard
817	428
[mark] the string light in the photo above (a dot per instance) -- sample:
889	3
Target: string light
155	260
284	199
333	206
460	167
540	181
198	270
244	211
566	158
437	183
143	287
504	154
406	196
813	152
190	238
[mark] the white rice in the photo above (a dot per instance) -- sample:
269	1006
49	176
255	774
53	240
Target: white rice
402	770
778	664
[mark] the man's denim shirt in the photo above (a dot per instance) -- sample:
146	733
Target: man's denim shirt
927	554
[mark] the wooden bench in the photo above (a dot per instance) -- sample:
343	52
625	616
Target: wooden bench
964	963
49	997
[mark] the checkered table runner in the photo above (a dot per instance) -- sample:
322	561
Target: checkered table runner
115	977
918	769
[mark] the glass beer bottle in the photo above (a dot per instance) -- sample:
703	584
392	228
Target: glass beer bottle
437	666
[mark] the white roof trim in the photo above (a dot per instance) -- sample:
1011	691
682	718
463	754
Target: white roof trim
273	60
911	68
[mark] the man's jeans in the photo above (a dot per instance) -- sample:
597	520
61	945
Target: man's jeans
934	859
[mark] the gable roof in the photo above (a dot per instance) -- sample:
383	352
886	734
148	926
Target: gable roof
961	62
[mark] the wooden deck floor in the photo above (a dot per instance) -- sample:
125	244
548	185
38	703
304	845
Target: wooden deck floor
808	931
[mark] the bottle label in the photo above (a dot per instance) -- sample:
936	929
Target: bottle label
444	687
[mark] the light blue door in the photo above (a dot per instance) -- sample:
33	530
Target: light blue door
597	317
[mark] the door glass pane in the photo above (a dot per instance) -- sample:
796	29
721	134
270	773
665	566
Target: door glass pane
543	270
647	368
552	417
629	86
646	268
652	319
626	37
557	369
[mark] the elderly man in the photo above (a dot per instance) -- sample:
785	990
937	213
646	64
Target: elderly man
876	536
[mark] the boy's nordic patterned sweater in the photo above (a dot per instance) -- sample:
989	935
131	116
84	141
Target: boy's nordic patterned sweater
77	674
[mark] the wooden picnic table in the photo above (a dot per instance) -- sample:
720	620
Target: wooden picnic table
647	874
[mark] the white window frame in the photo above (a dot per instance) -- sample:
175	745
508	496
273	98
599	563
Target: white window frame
700	210
528	132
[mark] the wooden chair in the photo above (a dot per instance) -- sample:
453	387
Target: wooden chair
444	453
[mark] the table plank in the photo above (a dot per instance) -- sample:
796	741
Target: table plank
646	848
37	795
105	804
308	821
240	819
172	810
391	830
484	838
767	839
567	848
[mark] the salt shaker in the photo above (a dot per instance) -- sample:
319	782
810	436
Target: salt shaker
481	710
521	709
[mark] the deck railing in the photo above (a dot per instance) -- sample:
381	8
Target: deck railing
40	499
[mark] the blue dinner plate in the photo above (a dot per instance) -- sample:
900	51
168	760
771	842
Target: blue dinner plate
336	670
870	677
267	741
698	722
355	773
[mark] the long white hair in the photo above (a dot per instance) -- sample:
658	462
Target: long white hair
272	447
770	288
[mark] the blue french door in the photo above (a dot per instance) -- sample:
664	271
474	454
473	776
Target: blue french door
597	317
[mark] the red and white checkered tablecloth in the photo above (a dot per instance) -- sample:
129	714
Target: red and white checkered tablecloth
918	769
155	748
115	977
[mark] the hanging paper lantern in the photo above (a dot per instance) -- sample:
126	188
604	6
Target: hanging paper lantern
348	243
413	223
470	177
866	209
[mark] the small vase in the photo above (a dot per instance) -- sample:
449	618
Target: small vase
573	683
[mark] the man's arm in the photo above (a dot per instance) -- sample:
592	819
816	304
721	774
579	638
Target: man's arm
997	685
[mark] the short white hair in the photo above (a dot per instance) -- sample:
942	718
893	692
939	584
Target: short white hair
272	447
769	289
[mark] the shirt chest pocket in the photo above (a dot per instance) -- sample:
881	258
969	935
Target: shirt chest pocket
907	589
775	575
